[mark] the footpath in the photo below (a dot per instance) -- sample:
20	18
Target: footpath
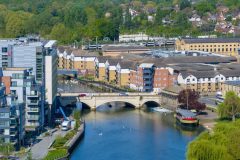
40	149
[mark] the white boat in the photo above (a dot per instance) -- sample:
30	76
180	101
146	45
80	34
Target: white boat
161	109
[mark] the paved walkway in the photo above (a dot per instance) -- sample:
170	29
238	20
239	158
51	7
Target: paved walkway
40	149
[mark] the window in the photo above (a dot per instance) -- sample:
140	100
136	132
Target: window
188	80
4	115
4	49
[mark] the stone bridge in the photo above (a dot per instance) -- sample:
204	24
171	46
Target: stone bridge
94	100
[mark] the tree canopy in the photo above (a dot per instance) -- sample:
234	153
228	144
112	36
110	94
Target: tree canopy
84	20
230	108
189	100
221	144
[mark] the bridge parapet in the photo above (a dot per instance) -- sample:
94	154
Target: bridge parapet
97	99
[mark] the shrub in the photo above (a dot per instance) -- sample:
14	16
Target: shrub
70	134
59	142
56	154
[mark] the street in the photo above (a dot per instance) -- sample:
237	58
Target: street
208	100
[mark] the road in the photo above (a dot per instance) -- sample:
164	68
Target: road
40	149
208	100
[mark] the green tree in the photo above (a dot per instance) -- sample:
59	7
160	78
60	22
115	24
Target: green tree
230	108
77	116
6	148
60	32
184	4
15	23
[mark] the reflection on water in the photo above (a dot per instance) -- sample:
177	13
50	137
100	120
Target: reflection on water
128	134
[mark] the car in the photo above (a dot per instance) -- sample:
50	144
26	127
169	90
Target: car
82	95
123	94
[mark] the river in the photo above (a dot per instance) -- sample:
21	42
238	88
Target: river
129	134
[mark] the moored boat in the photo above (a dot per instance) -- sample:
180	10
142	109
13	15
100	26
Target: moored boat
186	117
161	109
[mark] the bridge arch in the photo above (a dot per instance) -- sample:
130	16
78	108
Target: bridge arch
121	103
150	104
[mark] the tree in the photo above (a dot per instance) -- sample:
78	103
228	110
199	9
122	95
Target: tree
77	116
230	108
60	32
6	148
189	100
184	4
15	23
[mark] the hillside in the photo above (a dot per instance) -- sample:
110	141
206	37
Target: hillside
78	20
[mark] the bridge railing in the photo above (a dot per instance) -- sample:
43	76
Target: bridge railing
106	94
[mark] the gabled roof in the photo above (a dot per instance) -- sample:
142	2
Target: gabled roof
199	74
230	73
113	62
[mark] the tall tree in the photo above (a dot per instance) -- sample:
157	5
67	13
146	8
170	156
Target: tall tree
230	107
189	100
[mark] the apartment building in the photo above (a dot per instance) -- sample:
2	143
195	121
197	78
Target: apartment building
84	64
141	79
112	74
25	89
209	81
24	52
6	47
231	86
101	69
51	62
12	119
224	46
65	60
123	73
163	77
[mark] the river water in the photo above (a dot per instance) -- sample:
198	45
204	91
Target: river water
129	134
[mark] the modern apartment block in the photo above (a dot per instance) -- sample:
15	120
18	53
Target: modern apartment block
141	79
26	90
6	47
29	55
23	52
51	62
12	119
224	46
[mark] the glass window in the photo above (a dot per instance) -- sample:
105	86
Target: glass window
4	49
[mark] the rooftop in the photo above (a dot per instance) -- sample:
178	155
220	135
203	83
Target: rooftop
211	40
233	83
185	113
15	69
146	65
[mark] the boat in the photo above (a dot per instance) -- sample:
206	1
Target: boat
186	117
161	109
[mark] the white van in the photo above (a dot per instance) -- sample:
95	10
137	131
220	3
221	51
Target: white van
66	125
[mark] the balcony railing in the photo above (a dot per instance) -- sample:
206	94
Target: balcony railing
33	109
33	117
33	102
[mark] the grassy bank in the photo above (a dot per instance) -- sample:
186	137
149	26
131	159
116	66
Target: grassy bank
223	143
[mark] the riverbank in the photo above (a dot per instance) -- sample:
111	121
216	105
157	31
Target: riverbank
62	147
208	120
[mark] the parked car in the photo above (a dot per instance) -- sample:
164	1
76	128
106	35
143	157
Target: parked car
82	95
123	94
66	125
